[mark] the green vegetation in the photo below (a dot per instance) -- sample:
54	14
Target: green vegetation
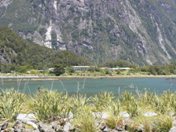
58	70
11	104
84	120
169	69
51	105
20	55
118	63
156	70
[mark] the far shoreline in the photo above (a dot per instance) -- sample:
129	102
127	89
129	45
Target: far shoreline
43	77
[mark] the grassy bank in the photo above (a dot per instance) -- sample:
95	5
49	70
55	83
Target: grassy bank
77	76
63	77
89	114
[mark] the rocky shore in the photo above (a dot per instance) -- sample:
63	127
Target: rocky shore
50	111
29	123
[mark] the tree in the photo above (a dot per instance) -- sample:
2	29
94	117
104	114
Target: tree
58	69
69	70
118	63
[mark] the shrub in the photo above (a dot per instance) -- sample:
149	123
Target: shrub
111	121
102	101
23	69
58	70
49	105
163	124
69	70
11	104
84	120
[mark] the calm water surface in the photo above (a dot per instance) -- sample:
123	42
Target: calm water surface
92	86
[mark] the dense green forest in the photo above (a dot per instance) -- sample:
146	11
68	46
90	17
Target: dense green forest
17	53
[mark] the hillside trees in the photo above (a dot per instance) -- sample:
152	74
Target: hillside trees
16	52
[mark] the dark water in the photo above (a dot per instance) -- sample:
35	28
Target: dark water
92	86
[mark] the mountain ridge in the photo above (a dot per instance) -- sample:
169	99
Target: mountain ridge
139	31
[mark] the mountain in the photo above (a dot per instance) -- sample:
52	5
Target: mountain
139	31
16	52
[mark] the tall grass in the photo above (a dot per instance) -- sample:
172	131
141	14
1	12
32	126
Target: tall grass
52	105
102	101
130	103
11	103
84	120
49	105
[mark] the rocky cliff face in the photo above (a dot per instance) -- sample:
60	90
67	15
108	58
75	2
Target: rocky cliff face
141	31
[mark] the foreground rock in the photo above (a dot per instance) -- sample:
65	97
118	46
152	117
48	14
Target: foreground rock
150	114
29	119
45	128
173	129
4	126
18	126
29	123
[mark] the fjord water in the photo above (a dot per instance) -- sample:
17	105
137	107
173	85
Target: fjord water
92	86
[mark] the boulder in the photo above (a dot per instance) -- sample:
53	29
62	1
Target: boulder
124	115
101	115
70	115
45	127
174	122
29	119
4	126
68	127
173	129
26	117
18	126
107	129
105	115
150	114
56	126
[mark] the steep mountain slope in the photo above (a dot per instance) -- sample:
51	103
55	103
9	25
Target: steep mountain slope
141	31
15	52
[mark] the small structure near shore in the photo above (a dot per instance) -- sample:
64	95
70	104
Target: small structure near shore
86	68
119	68
81	68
